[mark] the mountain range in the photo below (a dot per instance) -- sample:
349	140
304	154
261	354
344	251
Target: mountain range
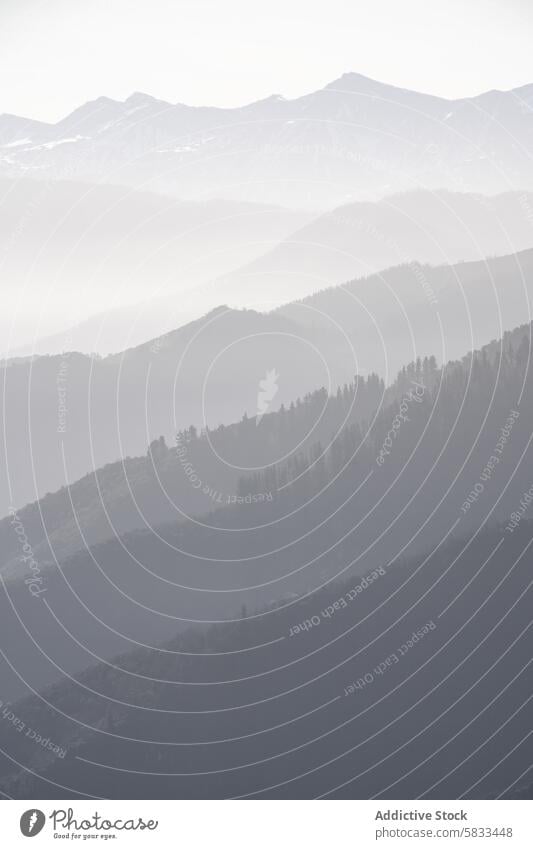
354	139
265	498
163	262
71	249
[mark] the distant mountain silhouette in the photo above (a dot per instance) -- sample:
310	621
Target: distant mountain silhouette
189	253
355	139
360	239
72	249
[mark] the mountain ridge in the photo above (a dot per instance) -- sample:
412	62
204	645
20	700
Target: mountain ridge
348	77
353	139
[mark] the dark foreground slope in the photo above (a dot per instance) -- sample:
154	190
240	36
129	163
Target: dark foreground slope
413	681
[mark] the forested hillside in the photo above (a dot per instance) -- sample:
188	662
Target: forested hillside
447	455
412	680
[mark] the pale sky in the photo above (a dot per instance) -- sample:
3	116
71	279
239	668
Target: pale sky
58	54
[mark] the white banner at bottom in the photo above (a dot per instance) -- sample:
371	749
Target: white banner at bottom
264	824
